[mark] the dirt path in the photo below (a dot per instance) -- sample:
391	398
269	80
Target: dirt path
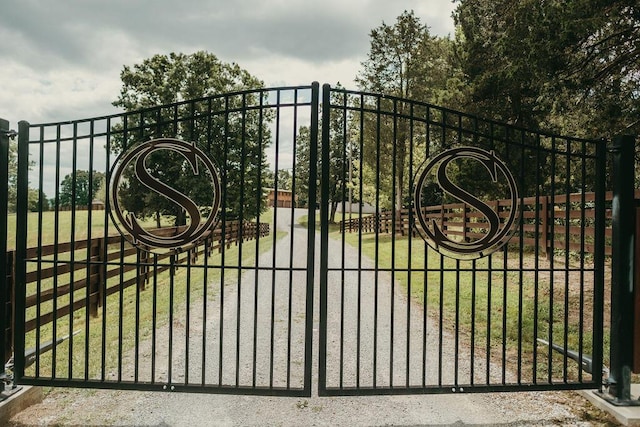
100	407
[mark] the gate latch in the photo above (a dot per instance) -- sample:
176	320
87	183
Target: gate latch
10	133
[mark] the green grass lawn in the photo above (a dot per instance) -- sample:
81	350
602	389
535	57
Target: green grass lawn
495	305
114	327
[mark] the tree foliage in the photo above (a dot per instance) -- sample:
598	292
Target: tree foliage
81	185
234	140
342	151
571	66
407	62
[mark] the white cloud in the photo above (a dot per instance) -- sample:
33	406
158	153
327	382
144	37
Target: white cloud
63	62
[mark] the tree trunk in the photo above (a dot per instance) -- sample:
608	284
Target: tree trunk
401	153
181	218
332	216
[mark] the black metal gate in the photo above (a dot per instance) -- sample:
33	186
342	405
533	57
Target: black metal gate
422	291
174	249
221	305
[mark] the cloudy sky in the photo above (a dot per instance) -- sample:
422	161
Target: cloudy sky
61	60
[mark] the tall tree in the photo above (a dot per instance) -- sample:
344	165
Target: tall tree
404	61
13	177
234	140
567	65
82	185
342	150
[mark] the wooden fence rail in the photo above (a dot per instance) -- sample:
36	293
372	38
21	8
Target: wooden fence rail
107	259
550	222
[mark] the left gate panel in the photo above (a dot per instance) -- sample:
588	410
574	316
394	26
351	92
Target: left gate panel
149	252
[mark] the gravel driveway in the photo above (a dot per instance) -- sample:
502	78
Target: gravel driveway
103	407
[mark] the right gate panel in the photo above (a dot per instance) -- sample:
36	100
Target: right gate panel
458	254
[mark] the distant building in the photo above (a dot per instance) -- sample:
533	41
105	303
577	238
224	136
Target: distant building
97	205
355	208
284	199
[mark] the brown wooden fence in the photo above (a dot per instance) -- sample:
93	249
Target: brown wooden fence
95	276
551	218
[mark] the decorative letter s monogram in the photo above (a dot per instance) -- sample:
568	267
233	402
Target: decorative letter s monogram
131	228
497	233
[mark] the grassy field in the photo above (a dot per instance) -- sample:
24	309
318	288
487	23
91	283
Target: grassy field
129	316
500	306
50	223
497	309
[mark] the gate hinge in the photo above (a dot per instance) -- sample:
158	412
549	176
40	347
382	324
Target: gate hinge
10	133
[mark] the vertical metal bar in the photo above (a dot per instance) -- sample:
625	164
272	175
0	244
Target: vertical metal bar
243	150
154	318
205	288
187	314
121	310
488	343
311	238
39	256
583	226
208	247
598	269
360	197
521	233
505	266
103	257
456	351
622	301
56	241
551	256
443	125
257	252
410	248
567	248
21	249
324	227
223	238
343	235
4	286
394	215
90	252
505	294
72	254
536	252
425	252
136	346
472	352
441	318
172	269
274	256
291	233
139	283
377	245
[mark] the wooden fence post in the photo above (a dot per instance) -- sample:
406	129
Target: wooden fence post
96	270
545	227
10	305
464	222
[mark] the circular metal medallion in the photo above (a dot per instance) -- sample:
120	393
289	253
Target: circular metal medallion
134	164
493	224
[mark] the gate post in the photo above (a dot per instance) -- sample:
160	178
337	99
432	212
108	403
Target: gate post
622	286
5	313
21	251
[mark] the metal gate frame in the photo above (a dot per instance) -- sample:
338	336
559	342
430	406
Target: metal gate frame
389	371
231	113
324	387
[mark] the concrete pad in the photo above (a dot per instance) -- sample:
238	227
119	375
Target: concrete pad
16	402
626	415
